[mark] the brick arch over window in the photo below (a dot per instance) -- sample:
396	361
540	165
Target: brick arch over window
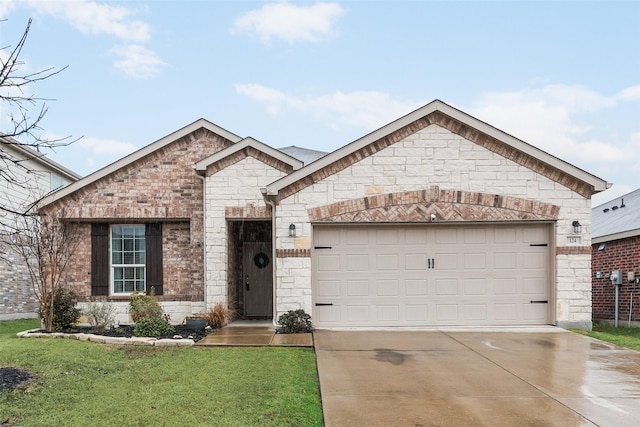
449	205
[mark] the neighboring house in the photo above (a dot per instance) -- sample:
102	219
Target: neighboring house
25	176
434	219
616	247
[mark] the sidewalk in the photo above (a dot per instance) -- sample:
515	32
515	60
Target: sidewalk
255	336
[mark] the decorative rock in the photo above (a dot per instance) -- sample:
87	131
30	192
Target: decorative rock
178	337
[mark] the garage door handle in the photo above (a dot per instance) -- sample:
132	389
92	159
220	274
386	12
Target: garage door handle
431	263
323	303
544	301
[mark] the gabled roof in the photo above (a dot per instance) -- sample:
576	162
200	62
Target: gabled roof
463	123
137	155
305	155
202	165
616	219
27	153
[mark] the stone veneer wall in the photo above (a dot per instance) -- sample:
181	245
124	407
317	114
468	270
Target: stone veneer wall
161	187
233	193
437	157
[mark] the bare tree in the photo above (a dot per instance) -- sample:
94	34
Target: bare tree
46	244
24	113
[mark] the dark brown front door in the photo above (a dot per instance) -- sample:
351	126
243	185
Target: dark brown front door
257	279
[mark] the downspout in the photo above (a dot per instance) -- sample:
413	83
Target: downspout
269	202
204	234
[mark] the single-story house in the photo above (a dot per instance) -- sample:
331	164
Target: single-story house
435	219
25	176
615	238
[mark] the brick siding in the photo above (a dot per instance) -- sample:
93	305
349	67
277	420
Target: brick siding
624	255
160	187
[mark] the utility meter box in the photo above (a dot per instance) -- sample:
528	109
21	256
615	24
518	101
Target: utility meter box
616	277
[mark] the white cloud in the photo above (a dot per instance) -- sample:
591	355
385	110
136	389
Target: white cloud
363	109
137	61
630	94
546	118
291	23
92	18
6	7
106	147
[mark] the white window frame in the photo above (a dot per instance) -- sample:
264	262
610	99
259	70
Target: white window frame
113	266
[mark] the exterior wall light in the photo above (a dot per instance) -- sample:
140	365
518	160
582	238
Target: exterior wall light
577	227
292	230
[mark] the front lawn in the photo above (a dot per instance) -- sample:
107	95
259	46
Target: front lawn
621	336
78	383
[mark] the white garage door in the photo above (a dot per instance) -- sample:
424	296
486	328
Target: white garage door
431	275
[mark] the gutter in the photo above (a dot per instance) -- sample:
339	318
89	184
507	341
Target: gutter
269	201
204	233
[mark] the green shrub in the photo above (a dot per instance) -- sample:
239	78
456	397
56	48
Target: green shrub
295	322
65	313
101	314
152	327
142	305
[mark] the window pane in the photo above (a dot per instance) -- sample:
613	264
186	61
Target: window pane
128	258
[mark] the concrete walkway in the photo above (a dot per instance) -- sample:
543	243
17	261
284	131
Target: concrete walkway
550	377
255	336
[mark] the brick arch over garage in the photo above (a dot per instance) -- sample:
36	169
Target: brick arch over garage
449	205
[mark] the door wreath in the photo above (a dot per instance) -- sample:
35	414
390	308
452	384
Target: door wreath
261	260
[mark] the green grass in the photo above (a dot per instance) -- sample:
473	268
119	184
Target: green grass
621	336
81	383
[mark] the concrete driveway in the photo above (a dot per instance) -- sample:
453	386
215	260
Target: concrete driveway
541	377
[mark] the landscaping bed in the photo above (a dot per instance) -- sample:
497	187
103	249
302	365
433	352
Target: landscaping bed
126	331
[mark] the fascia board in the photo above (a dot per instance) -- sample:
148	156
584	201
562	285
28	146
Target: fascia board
137	155
437	105
615	236
202	165
41	158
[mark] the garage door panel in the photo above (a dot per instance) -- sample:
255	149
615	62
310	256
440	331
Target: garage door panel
328	263
505	286
446	287
357	262
404	275
387	287
358	313
475	261
329	288
417	313
475	312
388	313
505	260
387	262
416	287
475	287
357	288
446	313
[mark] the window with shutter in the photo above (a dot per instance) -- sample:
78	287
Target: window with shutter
126	258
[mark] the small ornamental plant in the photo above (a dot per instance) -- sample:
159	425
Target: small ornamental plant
295	322
150	321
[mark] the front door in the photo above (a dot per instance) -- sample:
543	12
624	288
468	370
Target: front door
257	279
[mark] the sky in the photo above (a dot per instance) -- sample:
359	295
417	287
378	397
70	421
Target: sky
562	76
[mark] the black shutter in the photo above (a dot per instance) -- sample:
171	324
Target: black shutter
153	235
99	259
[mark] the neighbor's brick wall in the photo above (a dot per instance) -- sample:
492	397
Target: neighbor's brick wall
159	187
624	255
437	157
17	296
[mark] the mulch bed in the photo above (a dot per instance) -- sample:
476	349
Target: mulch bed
12	377
126	331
